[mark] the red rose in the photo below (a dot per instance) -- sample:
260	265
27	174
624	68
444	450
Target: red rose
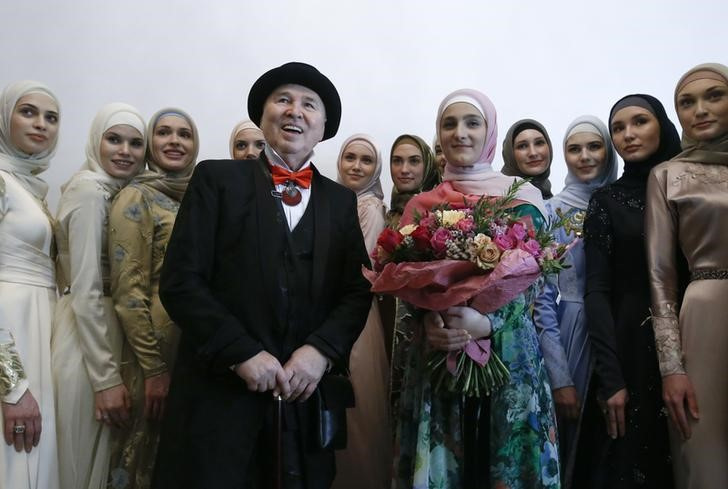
389	240
421	237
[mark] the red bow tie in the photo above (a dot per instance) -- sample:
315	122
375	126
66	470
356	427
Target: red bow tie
300	178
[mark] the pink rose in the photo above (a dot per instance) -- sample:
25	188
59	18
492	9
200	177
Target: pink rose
428	221
518	231
439	241
505	241
465	225
532	246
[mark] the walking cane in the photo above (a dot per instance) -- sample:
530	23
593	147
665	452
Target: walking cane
278	413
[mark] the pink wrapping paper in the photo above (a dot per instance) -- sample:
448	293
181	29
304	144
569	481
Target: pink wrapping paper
438	285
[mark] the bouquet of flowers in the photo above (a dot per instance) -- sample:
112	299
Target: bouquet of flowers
479	253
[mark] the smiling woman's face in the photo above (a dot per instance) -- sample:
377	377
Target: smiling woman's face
462	134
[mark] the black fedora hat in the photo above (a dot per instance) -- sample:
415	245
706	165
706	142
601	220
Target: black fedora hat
298	74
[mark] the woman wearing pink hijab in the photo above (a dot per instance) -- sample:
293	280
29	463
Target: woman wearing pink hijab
509	438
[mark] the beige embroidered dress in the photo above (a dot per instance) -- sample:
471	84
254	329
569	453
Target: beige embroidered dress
687	207
140	224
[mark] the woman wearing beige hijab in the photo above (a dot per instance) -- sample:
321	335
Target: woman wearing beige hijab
246	141
367	459
687	211
140	223
29	121
86	345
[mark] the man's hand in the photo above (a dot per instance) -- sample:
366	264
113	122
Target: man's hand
113	406
614	416
25	413
260	372
442	338
678	394
156	389
567	402
304	371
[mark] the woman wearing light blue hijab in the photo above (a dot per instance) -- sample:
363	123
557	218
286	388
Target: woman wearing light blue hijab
592	163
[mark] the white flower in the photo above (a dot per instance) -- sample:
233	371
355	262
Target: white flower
408	229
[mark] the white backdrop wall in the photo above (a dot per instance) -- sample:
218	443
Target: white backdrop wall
392	61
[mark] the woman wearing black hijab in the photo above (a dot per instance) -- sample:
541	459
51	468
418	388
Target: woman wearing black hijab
624	440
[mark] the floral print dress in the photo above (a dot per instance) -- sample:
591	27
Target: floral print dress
140	224
432	428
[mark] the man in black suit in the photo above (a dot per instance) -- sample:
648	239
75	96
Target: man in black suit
263	276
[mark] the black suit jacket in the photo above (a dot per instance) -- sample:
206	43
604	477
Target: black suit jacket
218	283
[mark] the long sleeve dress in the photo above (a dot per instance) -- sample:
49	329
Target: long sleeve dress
617	307
367	460
687	210
27	300
86	342
562	326
506	440
140	224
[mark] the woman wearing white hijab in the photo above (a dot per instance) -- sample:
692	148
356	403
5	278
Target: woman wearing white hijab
140	223
246	141
366	462
29	118
591	163
86	345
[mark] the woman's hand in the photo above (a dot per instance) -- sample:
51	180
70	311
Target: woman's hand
567	402
613	411
466	318
442	338
678	393
156	389
113	406
26	414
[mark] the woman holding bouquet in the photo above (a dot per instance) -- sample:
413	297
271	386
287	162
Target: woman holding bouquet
366	461
623	441
527	153
446	440
687	212
591	163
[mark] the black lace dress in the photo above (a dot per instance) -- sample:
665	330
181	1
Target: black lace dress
617	304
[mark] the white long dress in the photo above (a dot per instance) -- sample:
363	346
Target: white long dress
27	300
87	339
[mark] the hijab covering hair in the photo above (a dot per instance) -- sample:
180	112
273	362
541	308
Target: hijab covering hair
577	193
480	178
240	126
110	115
22	166
636	173
374	185
714	151
510	167
430	177
171	184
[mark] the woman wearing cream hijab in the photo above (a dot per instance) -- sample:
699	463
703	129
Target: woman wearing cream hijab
687	210
86	344
246	141
367	459
140	223
29	119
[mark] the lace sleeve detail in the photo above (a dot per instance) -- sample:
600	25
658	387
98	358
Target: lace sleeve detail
598	226
667	342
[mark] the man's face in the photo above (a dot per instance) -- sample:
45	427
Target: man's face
293	122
